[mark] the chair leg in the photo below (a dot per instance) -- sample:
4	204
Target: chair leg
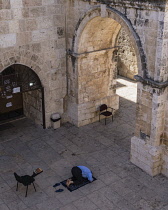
17	187
105	120
34	187
26	191
112	118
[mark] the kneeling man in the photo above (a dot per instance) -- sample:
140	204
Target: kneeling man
80	174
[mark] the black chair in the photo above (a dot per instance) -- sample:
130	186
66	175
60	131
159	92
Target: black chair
103	110
25	180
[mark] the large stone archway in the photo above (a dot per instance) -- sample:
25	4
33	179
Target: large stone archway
111	13
92	80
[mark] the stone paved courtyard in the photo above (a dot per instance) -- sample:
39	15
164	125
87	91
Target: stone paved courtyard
104	149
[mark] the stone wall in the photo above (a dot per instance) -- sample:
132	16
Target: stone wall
32	32
146	17
151	129
164	141
127	61
96	69
32	106
146	156
166	120
145	23
96	81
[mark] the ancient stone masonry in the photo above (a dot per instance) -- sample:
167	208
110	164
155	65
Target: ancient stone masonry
32	105
145	25
72	45
127	61
32	32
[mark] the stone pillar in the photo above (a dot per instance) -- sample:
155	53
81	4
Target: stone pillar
146	146
148	150
149	147
90	85
158	113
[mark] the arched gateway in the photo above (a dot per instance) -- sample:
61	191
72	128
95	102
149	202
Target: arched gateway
93	76
21	92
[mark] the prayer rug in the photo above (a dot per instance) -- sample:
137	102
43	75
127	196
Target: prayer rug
75	187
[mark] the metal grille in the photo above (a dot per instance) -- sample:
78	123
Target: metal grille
18	78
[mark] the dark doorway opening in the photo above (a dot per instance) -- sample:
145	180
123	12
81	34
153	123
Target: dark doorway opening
11	115
16	82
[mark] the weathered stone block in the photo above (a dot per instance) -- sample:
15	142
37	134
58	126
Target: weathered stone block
7	40
37	11
25	12
48	2
39	35
4	28
24	38
16	3
45	22
146	156
31	3
14	26
31	25
36	47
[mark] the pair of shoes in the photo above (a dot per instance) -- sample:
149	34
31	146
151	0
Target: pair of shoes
57	184
59	190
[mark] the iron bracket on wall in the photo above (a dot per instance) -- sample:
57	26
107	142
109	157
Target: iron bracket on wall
73	54
151	82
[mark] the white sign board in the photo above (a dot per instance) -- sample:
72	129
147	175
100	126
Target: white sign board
9	104
7	97
16	90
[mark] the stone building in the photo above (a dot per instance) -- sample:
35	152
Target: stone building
64	55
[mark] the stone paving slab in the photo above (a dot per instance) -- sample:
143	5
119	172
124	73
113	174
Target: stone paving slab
104	149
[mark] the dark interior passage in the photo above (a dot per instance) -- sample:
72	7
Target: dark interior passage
20	94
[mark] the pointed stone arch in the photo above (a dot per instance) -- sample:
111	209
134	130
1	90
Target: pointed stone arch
123	22
87	94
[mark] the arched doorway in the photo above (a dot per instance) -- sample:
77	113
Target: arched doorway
94	54
21	93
